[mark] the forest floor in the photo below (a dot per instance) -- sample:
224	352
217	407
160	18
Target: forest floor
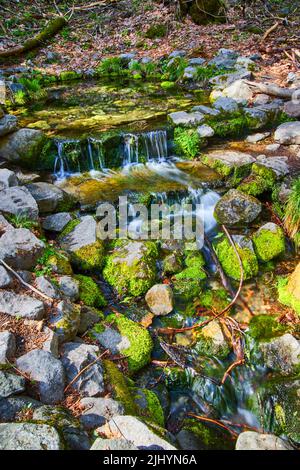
107	28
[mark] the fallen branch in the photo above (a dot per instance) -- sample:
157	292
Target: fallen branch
50	30
270	30
230	368
273	90
213	421
84	369
29	286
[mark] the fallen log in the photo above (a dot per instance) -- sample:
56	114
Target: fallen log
273	90
50	30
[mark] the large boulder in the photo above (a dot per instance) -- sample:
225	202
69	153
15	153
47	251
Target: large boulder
182	118
27	436
47	372
20	248
160	299
23	147
18	201
49	197
57	222
8	123
236	208
278	164
239	91
250	440
112	444
20	305
226	162
288	133
222	82
75	357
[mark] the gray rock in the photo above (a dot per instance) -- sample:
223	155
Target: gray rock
237	208
5	278
188	440
4	225
282	354
98	411
175	54
239	91
75	357
8	123
226	105
257	117
23	146
220	82
112	340
205	131
288	133
26	436
245	63
7	346
190	73
254	138
273	147
56	222
182	118
261	99
82	235
160	299
206	110
52	343
47	372
46	287
10	384
12	406
227	160
20	248
112	444
48	196
27	276
89	316
223	62
69	287
22	306
134	430
278	164
7	179
18	201
66	321
196	61
250	440
292	109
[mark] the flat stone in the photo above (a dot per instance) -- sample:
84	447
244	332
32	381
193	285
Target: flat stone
237	208
10	384
175	54
76	356
278	164
226	105
220	82
69	287
196	61
5	278
48	196
160	299
82	235
47	372
224	161
20	305
112	444
56	222
254	138
98	411
8	123
182	118
288	133
18	201
46	287
206	110
27	436
205	131
20	248
8	179
251	440
7	346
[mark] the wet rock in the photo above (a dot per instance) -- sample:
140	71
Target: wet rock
269	241
66	321
160	299
19	305
52	343
288	133
47	372
7	346
11	384
292	109
98	411
226	105
20	248
205	131
254	138
282	354
26	436
8	179
237	208
251	440
112	444
69	287
5	278
212	341
18	201
8	123
75	357
12	406
23	147
49	197
56	222
61	418
134	430
182	118
278	164
46	287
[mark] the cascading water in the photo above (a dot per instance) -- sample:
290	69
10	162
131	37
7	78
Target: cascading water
95	154
148	146
67	156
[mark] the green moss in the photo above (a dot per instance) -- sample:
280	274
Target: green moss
89	257
158	30
131	277
194	269
260	180
236	173
69	75
265	327
141	345
230	262
69	228
214	299
89	292
149	406
231	127
167	85
187	142
285	297
268	243
60	264
116	381
210	438
111	66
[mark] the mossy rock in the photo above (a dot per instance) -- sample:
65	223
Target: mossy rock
131	267
158	30
286	296
69	75
189	282
89	257
266	327
60	263
205	437
260	180
269	242
230	262
89	292
210	341
138	354
149	406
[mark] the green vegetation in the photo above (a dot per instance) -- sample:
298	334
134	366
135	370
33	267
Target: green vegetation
265	327
285	296
187	142
292	213
230	262
268	243
158	30
89	292
22	221
260	180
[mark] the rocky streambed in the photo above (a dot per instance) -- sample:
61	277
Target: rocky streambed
134	343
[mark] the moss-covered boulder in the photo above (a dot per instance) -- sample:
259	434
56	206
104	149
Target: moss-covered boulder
268	241
265	327
79	239
289	290
23	147
237	209
229	162
195	435
123	336
260	180
188	283
89	292
230	262
131	267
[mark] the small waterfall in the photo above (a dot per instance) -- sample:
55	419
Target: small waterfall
67	159
95	154
131	149
145	147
